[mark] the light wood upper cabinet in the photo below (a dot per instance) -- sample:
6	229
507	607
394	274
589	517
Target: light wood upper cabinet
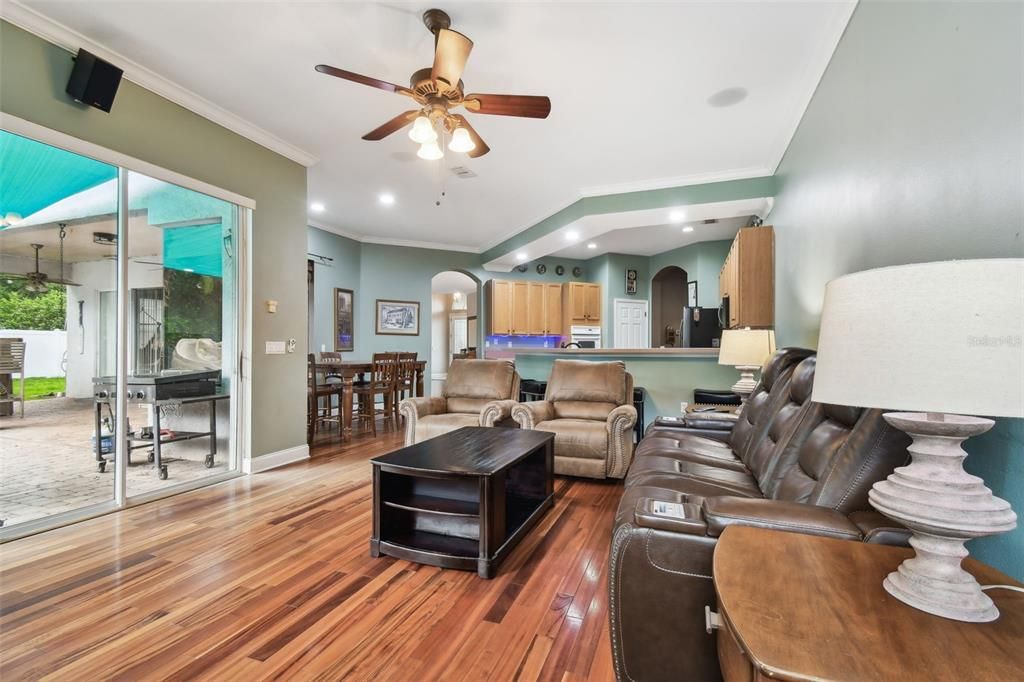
581	304
747	278
535	308
498	296
520	308
523	308
552	309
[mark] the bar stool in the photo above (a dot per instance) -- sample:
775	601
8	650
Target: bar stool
316	389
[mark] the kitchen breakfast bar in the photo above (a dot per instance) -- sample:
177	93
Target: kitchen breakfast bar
668	375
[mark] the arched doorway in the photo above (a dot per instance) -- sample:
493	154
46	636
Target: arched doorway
668	296
453	323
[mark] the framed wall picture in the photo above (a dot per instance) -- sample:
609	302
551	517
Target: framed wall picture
344	316
401	318
631	281
691	293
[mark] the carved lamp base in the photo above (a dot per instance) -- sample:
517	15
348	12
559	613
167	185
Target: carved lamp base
943	506
745	386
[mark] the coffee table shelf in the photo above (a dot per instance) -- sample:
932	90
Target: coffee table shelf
436	505
463	499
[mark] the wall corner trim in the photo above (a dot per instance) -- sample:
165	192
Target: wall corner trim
69	39
273	460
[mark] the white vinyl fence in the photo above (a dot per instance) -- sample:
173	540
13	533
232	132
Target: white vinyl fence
44	351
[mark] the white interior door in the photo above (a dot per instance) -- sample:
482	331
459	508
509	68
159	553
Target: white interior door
630	324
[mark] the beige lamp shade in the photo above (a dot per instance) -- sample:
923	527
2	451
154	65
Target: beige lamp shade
746	347
945	337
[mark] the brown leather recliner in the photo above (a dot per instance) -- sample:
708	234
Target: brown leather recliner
806	467
477	393
589	408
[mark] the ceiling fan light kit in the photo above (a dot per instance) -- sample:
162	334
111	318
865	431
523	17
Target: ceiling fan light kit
437	90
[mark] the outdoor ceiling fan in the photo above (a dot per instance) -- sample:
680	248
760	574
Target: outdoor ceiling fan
438	89
39	282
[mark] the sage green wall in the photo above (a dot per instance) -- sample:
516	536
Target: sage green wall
910	151
33	74
341	272
609	270
702	262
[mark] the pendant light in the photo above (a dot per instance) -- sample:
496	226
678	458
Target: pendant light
430	151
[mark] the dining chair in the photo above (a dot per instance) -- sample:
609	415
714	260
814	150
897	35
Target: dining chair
405	381
318	388
383	374
12	361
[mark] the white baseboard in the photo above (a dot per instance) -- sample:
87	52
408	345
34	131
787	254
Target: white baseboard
272	460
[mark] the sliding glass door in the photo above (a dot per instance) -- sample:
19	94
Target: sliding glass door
120	321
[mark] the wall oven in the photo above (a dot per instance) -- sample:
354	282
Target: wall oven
585	337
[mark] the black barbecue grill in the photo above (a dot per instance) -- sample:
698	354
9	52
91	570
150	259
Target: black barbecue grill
170	388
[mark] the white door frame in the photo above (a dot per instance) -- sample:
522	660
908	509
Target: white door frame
241	449
646	327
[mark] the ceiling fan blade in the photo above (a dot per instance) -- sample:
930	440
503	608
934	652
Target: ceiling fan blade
394	125
64	282
528	106
481	146
364	80
450	55
11	275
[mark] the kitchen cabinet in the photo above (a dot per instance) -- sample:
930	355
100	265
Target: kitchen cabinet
747	278
552	309
523	308
581	304
498	299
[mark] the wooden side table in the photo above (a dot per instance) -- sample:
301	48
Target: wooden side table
801	607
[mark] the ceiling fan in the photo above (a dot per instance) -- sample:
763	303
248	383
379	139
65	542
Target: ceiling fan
438	89
39	282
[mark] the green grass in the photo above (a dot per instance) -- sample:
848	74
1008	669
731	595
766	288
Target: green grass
39	387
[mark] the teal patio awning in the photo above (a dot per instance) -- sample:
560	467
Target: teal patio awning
35	175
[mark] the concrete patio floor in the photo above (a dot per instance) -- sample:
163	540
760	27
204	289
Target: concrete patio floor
47	464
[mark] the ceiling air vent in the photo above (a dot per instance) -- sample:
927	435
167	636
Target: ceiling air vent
463	172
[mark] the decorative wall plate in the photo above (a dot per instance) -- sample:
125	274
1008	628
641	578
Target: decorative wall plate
521	268
559	270
541	268
577	271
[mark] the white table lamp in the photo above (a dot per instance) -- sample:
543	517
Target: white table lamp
746	350
942	339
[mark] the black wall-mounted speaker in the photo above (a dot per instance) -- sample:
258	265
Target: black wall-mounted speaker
94	81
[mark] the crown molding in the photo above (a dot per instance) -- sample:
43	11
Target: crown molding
384	241
71	40
335	230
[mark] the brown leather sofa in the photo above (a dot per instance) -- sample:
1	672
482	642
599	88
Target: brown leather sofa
477	393
588	406
790	464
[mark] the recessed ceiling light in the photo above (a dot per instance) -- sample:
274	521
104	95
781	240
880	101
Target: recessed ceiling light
688	228
386	198
591	245
317	207
521	257
677	216
572	235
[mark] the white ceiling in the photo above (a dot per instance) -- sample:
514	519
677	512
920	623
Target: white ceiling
629	84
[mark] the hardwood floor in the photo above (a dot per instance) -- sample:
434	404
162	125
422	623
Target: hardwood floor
269	576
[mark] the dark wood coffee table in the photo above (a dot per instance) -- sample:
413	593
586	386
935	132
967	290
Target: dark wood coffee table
463	499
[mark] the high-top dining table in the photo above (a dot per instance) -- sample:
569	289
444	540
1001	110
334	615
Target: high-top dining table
348	370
